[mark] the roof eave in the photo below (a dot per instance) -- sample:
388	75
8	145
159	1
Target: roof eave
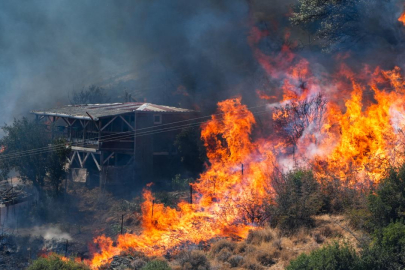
65	115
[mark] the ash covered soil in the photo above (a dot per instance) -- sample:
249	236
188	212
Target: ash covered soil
69	227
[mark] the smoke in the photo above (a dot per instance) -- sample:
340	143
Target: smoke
149	48
51	233
181	53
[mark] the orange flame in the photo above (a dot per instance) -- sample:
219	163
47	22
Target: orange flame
222	190
346	126
402	18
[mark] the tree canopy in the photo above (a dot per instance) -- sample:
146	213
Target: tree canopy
29	150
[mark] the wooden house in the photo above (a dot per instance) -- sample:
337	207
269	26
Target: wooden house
118	142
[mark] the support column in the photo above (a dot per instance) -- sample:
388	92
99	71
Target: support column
102	171
134	153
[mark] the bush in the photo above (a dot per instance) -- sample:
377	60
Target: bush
194	260
298	198
331	257
54	262
235	260
222	244
388	203
224	255
265	259
256	237
388	249
156	265
253	266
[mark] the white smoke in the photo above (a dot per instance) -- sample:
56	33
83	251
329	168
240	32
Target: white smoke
51	233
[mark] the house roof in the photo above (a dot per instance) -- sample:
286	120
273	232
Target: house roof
107	109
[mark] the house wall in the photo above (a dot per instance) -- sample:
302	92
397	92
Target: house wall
154	149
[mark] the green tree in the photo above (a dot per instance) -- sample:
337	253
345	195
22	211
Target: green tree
342	24
28	149
387	203
298	198
56	165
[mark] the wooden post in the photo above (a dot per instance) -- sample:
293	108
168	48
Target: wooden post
242	168
134	153
66	248
101	169
122	223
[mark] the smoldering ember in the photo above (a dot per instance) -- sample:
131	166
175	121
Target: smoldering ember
207	135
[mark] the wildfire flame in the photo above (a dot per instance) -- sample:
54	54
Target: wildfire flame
402	18
221	190
354	139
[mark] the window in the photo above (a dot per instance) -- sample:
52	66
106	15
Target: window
157	119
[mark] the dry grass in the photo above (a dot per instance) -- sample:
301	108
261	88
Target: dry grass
268	248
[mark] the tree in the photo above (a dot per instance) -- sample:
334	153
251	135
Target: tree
298	197
387	204
28	149
56	169
294	118
92	95
342	24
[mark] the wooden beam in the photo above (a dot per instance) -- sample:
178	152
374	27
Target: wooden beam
72	158
95	161
74	120
84	124
108	158
125	121
130	160
66	121
80	160
106	125
95	123
85	158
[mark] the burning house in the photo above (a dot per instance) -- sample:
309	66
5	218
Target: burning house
117	142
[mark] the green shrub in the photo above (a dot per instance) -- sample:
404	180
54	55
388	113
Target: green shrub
156	265
387	204
331	257
388	249
54	262
298	198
